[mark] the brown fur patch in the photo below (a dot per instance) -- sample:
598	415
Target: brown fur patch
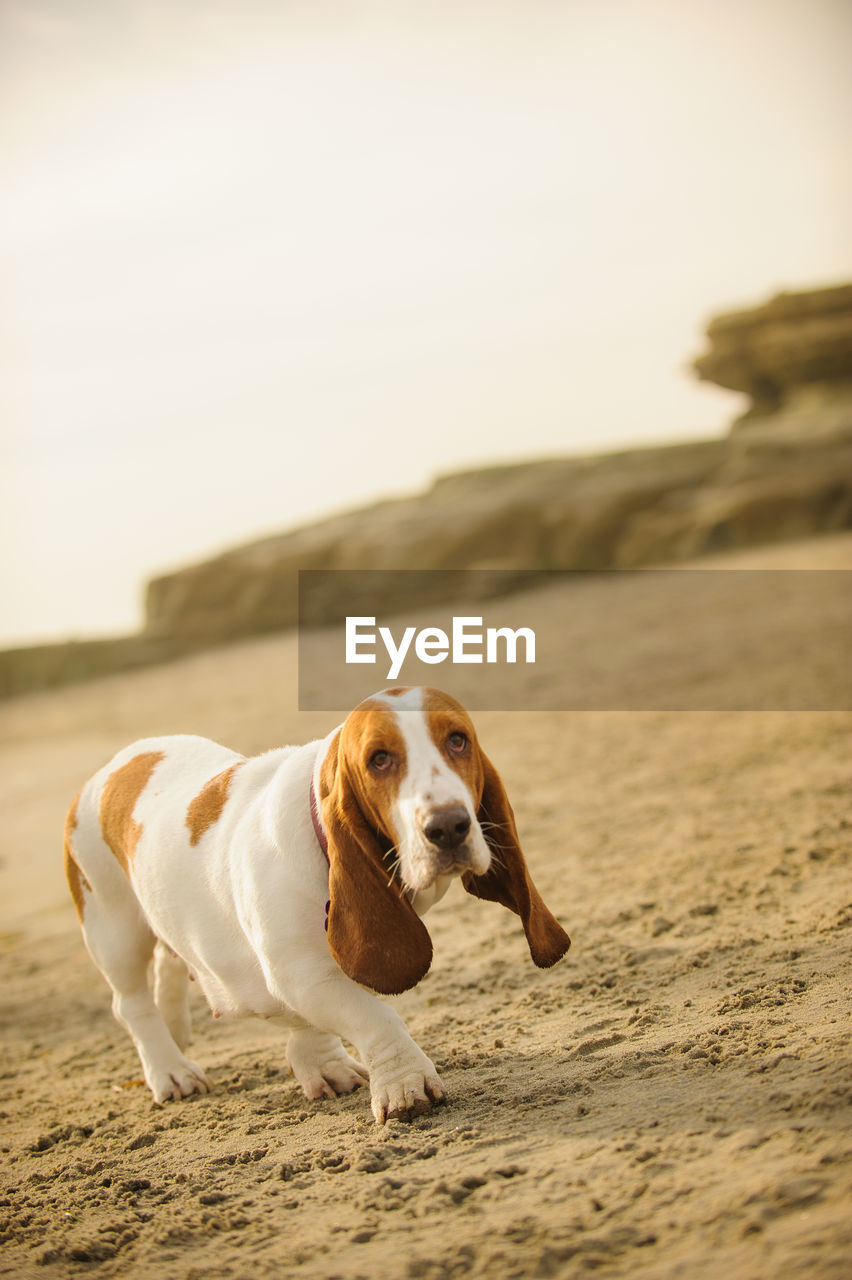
328	771
118	800
206	808
372	727
445	716
373	932
77	882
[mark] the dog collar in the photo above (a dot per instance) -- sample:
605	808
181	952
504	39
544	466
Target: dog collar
322	839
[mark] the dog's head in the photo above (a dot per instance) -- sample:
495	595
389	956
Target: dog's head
409	797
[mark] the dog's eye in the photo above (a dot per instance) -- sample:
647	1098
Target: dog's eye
457	742
381	761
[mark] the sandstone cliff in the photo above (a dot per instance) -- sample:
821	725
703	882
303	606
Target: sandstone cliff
785	471
787	475
792	356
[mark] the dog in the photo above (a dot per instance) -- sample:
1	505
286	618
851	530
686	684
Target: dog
291	885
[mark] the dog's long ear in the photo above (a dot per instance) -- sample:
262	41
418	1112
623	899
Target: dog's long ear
374	933
508	880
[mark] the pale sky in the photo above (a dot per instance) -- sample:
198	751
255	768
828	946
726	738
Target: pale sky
261	261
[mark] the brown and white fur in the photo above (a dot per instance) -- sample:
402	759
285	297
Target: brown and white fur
211	863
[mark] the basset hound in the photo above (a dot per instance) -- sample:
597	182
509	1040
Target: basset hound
291	886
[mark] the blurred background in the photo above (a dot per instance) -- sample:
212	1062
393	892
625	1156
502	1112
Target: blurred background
265	261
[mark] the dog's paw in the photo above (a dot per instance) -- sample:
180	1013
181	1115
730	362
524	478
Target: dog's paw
414	1094
328	1079
322	1066
178	1079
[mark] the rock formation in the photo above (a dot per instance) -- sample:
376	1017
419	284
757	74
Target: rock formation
785	471
787	476
792	356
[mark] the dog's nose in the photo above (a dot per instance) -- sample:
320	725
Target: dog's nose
447	826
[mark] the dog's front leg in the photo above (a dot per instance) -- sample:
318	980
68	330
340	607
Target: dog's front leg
403	1081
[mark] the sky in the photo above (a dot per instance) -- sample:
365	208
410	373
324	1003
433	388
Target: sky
262	261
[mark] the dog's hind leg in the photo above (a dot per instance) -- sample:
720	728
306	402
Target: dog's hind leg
171	993
121	943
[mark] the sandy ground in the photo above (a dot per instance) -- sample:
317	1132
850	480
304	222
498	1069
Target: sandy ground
671	1100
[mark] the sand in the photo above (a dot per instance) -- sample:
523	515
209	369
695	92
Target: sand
671	1100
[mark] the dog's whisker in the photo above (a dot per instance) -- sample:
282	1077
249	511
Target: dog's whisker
395	863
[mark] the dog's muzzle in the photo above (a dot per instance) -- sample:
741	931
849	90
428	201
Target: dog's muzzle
446	827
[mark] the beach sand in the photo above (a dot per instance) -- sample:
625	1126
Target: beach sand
671	1100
